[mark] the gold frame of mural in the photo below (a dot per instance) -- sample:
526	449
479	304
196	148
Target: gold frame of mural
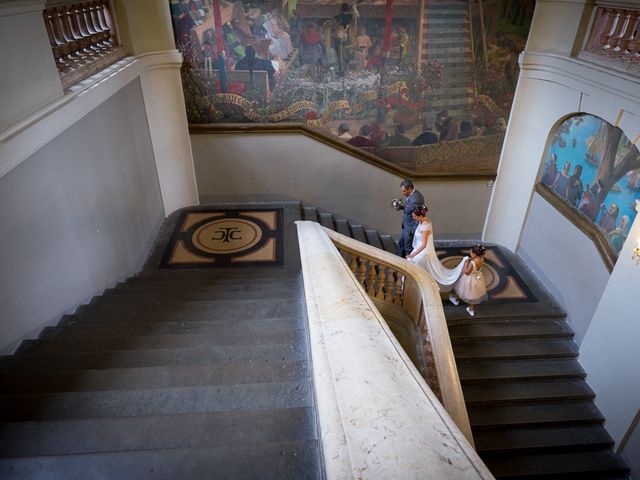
417	173
599	239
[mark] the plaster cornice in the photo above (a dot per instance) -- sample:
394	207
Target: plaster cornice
24	138
577	73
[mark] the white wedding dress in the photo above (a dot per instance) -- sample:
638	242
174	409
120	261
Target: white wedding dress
428	259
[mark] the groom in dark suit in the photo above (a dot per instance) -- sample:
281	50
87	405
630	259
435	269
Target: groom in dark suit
412	199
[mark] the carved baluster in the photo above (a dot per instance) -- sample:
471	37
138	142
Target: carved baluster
625	24
104	18
600	27
66	17
60	23
59	47
101	33
615	25
78	29
380	282
353	264
632	42
84	22
390	286
371	278
397	298
362	270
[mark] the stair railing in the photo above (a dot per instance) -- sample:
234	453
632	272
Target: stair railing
387	277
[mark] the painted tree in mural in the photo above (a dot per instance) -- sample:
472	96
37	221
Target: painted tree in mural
619	157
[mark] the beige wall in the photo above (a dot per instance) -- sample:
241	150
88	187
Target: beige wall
77	216
305	169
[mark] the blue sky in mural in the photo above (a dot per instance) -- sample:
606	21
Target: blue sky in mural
576	143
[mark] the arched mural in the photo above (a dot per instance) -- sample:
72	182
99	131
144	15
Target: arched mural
594	168
399	78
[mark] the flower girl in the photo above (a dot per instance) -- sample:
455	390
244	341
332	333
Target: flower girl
471	286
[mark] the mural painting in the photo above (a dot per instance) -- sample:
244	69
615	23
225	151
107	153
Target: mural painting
594	167
423	83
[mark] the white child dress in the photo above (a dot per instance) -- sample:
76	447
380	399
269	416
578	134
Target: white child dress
472	288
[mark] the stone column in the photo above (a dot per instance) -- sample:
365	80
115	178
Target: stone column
145	28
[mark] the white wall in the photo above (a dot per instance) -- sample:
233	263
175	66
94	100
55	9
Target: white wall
556	250
610	352
29	78
308	170
77	216
553	86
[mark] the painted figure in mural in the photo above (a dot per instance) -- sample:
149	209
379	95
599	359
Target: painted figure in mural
413	198
398	139
609	216
361	48
343	131
252	63
562	180
209	49
423	252
362	140
550	171
446	126
471	287
280	39
465	129
588	203
573	193
312	46
427	137
619	235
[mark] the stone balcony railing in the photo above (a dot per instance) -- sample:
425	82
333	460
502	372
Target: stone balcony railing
614	39
82	38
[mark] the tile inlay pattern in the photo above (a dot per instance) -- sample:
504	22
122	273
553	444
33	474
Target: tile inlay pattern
504	285
226	238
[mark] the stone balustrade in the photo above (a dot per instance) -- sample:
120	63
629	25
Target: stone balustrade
615	38
82	38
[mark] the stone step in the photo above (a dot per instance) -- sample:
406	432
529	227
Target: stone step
373	238
524	415
77	329
444	21
163	288
186	283
452	31
455	62
388	243
540	439
450	52
495	349
207	273
163	401
473	371
569	465
437	42
310	214
326	220
143	378
453	16
342	226
265	307
455	92
190	430
527	391
152	358
286	461
515	329
358	233
263	335
162	297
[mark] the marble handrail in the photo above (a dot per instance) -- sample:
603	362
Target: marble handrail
378	417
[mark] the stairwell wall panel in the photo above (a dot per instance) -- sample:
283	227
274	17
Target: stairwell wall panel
78	215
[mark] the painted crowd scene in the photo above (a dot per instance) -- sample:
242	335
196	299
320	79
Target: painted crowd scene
595	168
423	83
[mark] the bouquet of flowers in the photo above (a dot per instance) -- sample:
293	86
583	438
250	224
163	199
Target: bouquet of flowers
397	203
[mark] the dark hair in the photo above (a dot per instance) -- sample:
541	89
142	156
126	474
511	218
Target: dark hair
420	210
400	128
343	127
406	183
365	130
478	249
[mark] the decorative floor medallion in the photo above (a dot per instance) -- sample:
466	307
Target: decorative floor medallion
226	238
503	283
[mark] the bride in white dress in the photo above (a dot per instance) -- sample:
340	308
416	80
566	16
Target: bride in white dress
424	252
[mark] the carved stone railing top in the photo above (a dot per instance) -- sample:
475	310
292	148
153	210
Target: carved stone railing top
390	278
378	418
82	38
615	38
